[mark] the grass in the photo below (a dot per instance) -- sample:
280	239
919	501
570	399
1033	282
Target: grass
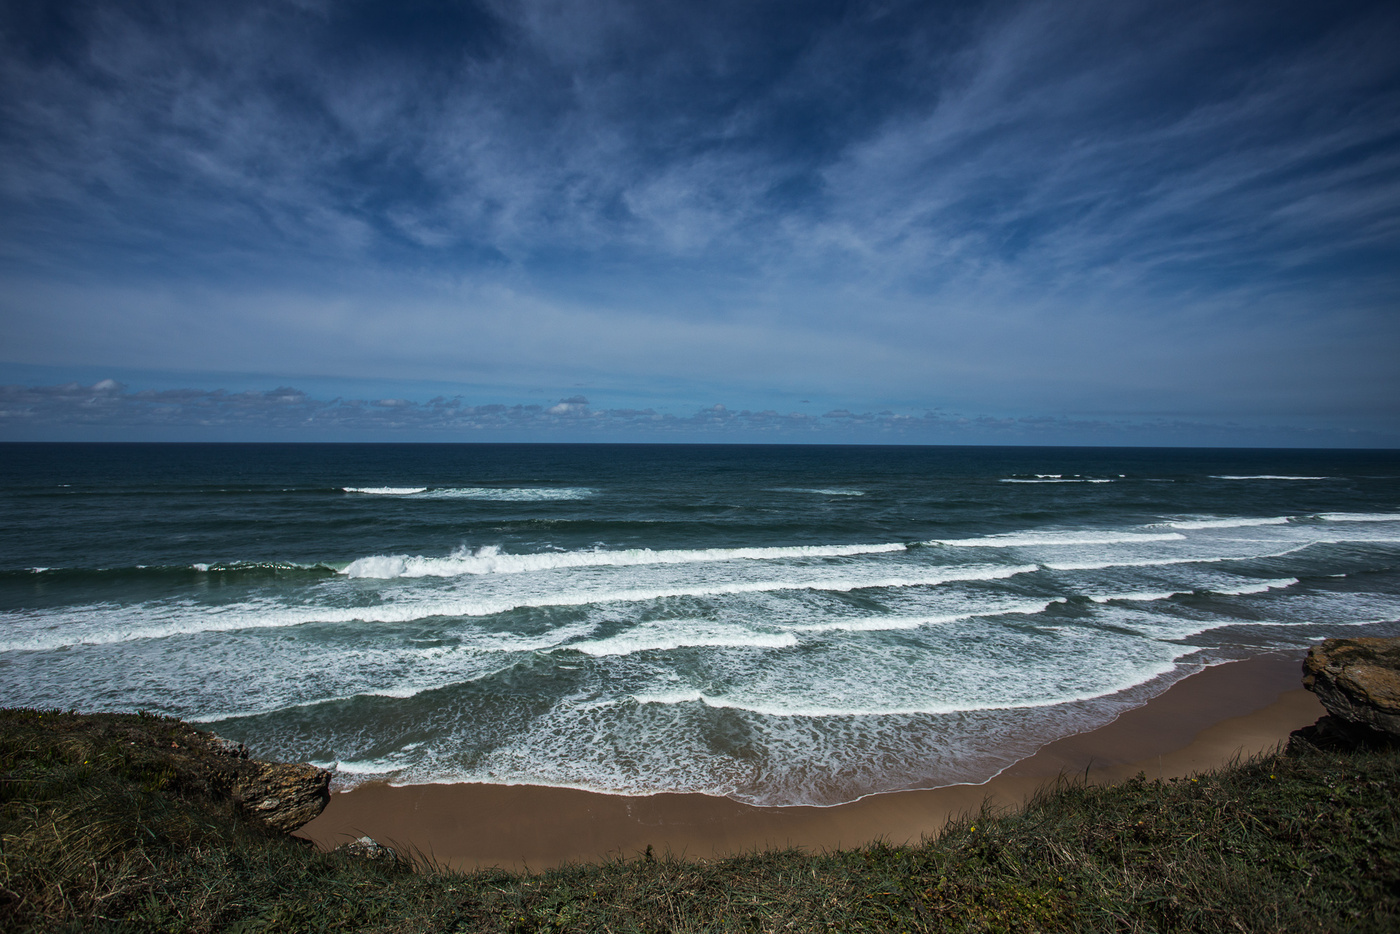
98	833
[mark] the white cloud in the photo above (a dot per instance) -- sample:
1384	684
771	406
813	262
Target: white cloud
106	410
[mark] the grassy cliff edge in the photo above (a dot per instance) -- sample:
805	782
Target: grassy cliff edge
106	823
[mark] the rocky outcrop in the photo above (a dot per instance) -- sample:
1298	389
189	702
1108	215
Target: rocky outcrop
367	848
168	755
1358	681
282	796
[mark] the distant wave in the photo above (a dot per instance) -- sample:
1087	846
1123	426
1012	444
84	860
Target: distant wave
513	494
237	566
251	568
1267	476
494	494
489	560
816	492
1032	539
1056	480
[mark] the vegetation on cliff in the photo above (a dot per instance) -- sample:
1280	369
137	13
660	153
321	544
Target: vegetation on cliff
105	825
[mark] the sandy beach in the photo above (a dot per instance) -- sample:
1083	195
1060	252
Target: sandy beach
1203	721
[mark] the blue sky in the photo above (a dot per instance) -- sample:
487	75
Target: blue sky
1092	223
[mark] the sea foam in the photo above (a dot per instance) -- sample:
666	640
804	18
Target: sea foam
894	623
663	635
88	625
489	560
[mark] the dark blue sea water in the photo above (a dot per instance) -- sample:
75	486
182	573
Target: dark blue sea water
779	624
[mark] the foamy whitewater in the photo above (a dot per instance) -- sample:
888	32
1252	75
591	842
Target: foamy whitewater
783	625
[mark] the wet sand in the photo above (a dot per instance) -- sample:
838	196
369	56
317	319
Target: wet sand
1201	722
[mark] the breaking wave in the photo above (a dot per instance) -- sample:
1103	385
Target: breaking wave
489	560
490	494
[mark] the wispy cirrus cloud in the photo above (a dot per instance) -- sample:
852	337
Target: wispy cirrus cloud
1106	208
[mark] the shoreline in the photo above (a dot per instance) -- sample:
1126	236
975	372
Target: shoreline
1201	722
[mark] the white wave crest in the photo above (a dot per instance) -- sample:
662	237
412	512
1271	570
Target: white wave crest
892	623
1360	516
816	492
664	635
494	494
1133	597
1163	562
1055	480
489	560
1243	589
392	613
1032	539
512	494
1143	675
1233	523
1267	476
1281	583
262	616
384	766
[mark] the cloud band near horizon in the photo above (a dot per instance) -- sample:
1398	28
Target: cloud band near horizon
107	410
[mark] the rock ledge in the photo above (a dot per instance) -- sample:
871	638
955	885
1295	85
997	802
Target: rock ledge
1358	681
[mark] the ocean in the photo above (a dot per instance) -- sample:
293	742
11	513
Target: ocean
779	624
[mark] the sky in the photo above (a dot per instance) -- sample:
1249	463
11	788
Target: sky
1090	222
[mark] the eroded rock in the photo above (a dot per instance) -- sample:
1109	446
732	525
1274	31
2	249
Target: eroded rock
1358	681
282	795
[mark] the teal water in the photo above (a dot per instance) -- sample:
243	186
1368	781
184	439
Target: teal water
780	624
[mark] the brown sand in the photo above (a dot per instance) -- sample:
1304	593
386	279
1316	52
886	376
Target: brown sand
1201	722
